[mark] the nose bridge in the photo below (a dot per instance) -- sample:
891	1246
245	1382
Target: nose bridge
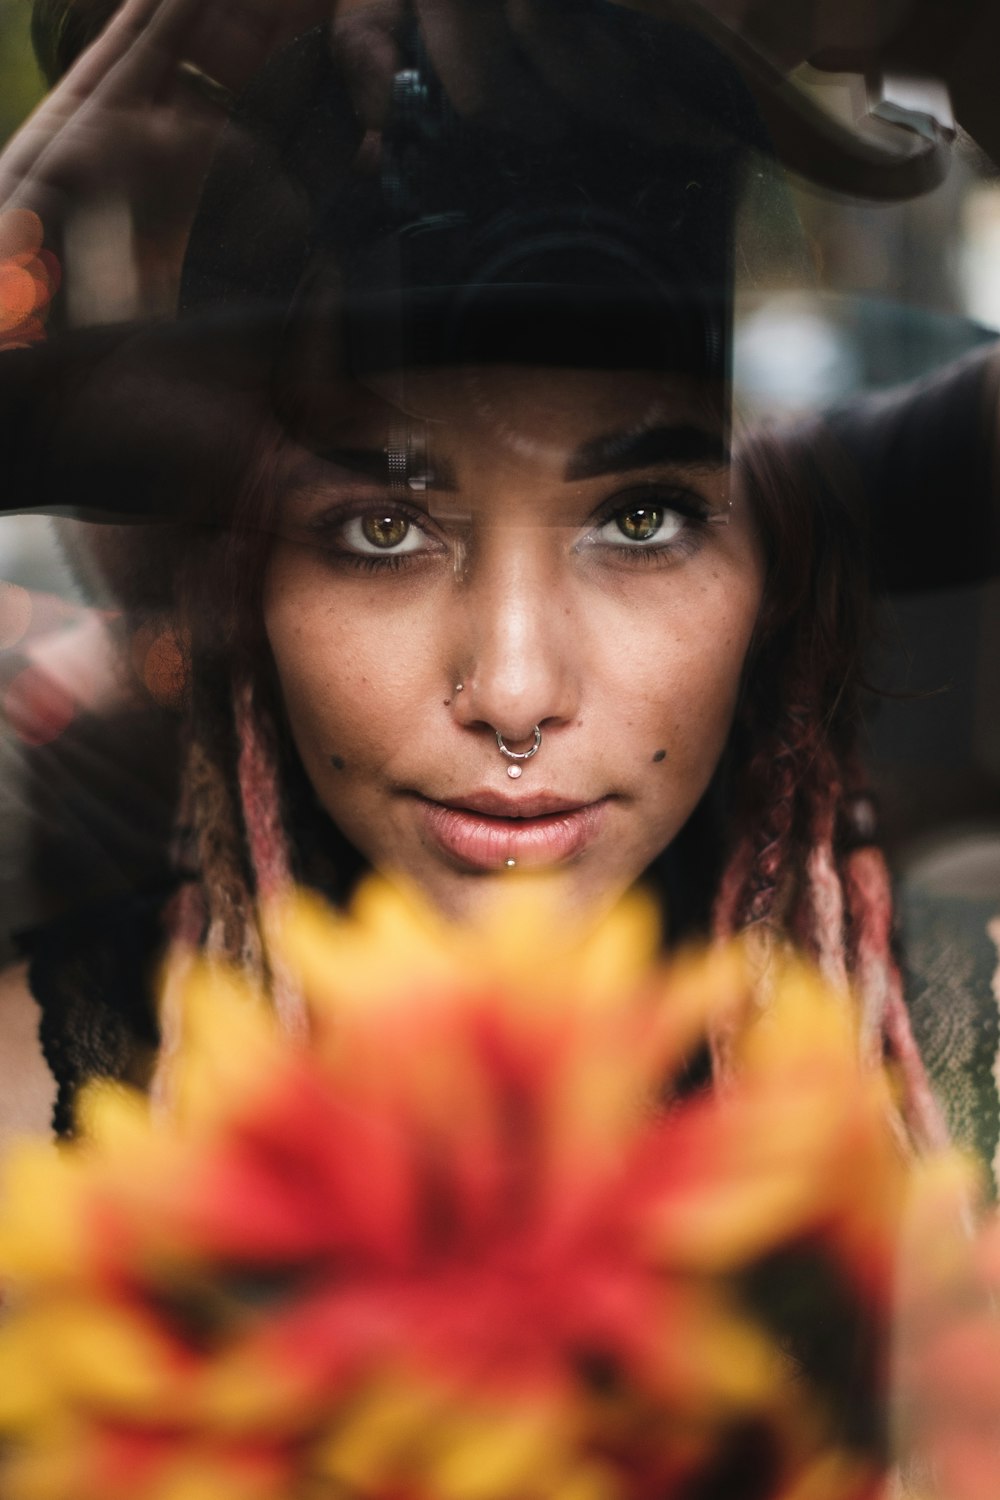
518	617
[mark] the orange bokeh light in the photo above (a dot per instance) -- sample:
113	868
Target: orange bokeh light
160	662
29	278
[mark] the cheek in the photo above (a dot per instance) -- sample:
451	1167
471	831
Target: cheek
693	682
712	676
346	678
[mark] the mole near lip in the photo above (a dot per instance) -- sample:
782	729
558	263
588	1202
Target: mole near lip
486	840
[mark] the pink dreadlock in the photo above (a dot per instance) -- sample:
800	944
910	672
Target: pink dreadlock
805	867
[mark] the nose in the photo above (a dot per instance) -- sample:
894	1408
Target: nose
518	652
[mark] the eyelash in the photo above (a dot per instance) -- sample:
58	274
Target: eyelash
696	515
329	527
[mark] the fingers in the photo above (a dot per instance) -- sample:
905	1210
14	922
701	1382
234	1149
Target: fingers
88	111
111	45
122	57
232	40
144	137
110	106
477	55
472	48
228	40
528	66
365	39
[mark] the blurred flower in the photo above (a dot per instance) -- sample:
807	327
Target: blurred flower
947	1375
29	278
476	1239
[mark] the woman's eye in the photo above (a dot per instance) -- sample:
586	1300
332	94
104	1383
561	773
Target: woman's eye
382	531
385	531
639	524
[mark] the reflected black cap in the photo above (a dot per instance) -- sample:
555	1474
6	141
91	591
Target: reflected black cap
471	243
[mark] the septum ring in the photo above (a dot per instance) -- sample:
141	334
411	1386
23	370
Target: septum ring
518	755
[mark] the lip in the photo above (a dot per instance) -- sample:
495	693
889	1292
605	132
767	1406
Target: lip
485	830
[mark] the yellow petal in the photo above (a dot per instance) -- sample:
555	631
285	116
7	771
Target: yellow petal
388	1420
492	1454
98	1352
583	1482
113	1120
229	1039
41	1228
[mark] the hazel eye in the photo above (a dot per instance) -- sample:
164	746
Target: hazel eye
385	530
644	527
641	524
381	533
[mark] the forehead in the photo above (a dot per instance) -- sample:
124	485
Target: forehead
544	415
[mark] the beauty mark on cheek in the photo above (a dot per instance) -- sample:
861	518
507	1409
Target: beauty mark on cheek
660	755
337	762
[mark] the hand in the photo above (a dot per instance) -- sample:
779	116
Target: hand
518	63
117	152
523	60
791	31
957	41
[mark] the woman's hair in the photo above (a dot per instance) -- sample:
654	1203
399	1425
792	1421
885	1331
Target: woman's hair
802	861
791	852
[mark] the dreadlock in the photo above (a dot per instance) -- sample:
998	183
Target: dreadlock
803	866
231	842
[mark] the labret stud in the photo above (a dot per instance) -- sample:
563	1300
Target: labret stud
513	772
511	864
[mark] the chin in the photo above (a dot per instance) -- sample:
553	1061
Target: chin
566	892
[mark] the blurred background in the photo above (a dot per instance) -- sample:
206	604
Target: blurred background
20	81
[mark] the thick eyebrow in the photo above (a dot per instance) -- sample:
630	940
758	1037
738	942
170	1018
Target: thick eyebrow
373	463
686	445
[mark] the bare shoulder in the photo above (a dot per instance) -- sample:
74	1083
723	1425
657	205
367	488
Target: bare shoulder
27	1088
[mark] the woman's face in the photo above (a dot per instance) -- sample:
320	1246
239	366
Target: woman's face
564	549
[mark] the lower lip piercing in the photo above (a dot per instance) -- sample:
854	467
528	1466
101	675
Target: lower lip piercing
494	841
